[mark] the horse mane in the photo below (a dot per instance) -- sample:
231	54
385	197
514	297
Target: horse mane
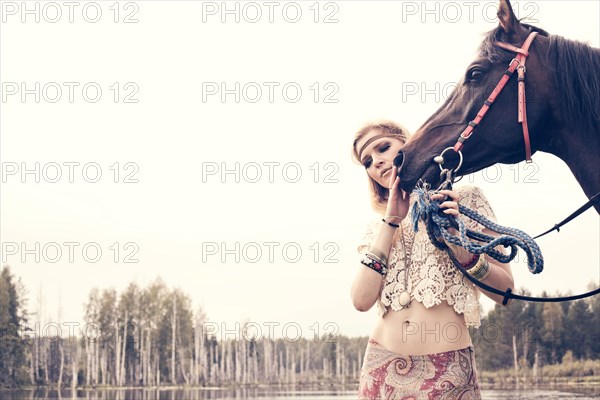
577	78
575	68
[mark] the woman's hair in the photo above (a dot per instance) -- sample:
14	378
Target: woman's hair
379	194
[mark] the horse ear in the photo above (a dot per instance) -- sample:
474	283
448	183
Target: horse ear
507	18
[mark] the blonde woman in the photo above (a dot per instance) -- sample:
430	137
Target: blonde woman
420	347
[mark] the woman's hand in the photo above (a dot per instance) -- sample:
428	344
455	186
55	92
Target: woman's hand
398	200
451	206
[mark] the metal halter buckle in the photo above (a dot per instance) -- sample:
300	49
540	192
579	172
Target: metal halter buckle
448	175
440	159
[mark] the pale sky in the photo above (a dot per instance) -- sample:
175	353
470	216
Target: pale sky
303	89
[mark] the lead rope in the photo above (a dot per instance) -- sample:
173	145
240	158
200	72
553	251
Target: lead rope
438	223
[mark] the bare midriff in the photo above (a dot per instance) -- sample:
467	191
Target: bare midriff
418	330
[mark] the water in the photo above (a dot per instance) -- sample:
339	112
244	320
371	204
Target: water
265	393
536	394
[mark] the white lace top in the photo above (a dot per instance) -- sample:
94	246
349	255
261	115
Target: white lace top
432	278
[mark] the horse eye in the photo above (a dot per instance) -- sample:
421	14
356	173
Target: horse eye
474	74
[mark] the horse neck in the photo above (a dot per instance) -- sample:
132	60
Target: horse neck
571	131
579	150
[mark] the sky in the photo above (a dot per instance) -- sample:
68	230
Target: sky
208	144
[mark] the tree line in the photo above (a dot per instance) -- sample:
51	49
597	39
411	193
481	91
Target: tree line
151	336
534	334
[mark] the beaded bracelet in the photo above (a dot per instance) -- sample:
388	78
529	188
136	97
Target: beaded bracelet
375	265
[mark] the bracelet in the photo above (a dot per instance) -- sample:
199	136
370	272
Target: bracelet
486	271
471	263
481	270
394	216
375	258
390	224
377	254
375	265
475	268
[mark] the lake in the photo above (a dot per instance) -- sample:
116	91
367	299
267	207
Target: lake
272	393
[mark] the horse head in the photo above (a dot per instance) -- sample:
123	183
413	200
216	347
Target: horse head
561	102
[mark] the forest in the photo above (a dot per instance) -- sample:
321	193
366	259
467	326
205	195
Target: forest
151	336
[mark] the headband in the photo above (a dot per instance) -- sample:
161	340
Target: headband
370	141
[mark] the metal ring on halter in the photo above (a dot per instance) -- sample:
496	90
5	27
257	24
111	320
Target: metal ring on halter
444	179
440	159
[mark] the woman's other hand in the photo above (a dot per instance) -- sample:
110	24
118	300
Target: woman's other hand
398	200
450	205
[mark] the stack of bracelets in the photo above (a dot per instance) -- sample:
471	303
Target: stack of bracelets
376	260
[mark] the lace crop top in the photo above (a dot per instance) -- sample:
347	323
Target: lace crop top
432	278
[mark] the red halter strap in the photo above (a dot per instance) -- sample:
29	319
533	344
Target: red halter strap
517	63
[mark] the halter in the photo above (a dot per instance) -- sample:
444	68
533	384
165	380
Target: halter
517	63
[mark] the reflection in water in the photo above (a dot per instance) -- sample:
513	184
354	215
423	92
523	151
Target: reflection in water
265	393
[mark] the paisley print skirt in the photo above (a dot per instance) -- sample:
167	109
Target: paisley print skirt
387	375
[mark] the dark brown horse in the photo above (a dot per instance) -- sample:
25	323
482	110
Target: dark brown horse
563	109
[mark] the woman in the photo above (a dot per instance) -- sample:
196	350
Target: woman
420	347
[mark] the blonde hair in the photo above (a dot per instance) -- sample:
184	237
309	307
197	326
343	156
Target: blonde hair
379	194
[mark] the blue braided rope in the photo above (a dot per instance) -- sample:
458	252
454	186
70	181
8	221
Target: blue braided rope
438	223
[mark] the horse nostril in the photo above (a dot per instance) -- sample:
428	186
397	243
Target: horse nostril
399	160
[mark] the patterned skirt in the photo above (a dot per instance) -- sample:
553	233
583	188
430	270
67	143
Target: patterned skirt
387	375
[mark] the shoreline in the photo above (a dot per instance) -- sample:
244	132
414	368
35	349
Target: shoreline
553	383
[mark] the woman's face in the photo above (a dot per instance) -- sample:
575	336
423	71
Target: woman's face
378	155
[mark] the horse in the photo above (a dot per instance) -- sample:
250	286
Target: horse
562	112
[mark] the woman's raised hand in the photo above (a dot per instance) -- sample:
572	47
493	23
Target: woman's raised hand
398	200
